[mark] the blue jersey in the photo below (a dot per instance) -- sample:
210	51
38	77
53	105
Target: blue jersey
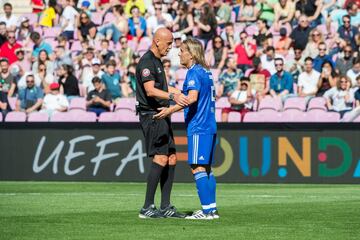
200	116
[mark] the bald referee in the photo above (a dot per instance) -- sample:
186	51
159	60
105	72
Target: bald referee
153	93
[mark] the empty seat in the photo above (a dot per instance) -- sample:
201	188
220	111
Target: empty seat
108	117
78	103
318	115
270	103
234	117
126	115
126	103
253	117
293	115
267	115
317	103
38	117
12	102
78	116
178	117
295	103
53	32
222	102
15	117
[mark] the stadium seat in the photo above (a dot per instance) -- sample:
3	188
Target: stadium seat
178	117
126	115
270	103
317	103
251	30
38	117
234	117
215	73
33	18
12	102
293	115
218	114
74	116
15	117
318	115
222	102
1	117
76	46
180	74
78	103
109	18
96	17
108	117
253	117
295	103
270	115
51	32
126	103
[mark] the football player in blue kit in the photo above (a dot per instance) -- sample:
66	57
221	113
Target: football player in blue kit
200	123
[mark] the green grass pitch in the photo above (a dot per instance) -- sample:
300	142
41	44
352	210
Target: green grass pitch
57	210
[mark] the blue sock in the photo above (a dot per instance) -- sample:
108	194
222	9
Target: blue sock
202	185
212	188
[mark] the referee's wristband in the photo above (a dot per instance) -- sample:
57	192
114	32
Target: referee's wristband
171	96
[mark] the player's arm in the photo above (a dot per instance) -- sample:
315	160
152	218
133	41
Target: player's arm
174	90
192	98
152	91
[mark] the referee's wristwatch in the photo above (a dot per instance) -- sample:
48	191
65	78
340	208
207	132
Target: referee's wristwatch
171	96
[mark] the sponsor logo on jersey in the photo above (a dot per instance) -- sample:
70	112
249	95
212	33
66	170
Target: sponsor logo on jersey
191	83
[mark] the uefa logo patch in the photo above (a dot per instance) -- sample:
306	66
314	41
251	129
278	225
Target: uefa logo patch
145	72
191	83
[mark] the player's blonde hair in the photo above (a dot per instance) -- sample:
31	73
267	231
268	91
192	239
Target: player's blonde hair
196	50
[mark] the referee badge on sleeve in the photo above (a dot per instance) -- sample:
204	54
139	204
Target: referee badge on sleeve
145	72
191	83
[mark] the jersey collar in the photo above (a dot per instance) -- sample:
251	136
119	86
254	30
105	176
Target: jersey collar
192	66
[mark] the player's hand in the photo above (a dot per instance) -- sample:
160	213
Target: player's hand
164	112
181	99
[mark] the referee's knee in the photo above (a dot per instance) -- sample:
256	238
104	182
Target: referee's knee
162	160
172	159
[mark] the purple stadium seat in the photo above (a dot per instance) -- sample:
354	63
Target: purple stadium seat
180	84
178	117
253	117
180	74
96	17
357	119
295	103
126	103
76	46
247	73
61	117
74	116
38	117
15	117
82	88
218	115
109	18
33	17
318	115
222	102
12	102
317	103
51	32
270	103
126	115
234	117
293	115
269	115
108	117
215	73
78	103
39	30
251	30
1	117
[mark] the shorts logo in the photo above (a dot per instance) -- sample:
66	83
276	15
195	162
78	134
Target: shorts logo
201	158
191	83
145	72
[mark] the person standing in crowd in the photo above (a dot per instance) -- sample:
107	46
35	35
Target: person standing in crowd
48	16
152	93
99	99
68	20
200	124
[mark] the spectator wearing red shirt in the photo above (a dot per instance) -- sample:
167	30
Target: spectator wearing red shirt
244	52
37	6
8	49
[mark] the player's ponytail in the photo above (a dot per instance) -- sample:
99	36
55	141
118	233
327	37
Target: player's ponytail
196	50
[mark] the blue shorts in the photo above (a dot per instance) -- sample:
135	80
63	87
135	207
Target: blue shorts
201	149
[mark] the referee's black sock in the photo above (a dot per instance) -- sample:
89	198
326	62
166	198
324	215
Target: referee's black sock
166	182
152	182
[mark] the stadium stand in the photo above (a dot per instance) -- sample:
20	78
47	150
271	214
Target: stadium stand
92	34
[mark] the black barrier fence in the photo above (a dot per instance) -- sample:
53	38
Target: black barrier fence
247	153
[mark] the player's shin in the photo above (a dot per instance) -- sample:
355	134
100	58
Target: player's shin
201	179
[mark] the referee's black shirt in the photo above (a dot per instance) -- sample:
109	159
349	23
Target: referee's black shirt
150	68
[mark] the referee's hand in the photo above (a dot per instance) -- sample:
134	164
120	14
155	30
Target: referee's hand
181	99
164	112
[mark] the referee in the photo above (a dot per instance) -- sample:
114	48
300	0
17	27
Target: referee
152	94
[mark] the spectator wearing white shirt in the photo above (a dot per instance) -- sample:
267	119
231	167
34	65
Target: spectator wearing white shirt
95	72
340	98
68	20
10	19
160	19
173	54
268	59
54	101
308	80
354	71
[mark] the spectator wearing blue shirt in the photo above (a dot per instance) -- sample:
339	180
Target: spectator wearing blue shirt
281	83
111	79
322	57
137	24
348	32
39	45
30	98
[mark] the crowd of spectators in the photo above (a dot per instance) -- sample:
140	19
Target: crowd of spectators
256	49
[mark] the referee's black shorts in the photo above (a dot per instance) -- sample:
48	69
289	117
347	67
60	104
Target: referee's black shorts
159	137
